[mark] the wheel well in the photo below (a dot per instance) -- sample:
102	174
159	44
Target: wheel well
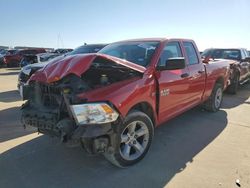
220	80
145	108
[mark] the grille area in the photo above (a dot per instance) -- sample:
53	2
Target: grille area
50	95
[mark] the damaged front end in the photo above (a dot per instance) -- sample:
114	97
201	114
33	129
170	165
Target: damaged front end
54	107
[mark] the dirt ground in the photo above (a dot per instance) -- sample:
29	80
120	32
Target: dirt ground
196	149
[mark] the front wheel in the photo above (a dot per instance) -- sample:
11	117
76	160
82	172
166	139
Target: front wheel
213	104
132	141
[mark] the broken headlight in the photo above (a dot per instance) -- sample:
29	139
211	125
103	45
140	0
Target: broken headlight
93	113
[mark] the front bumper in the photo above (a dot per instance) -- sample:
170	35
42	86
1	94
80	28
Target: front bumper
48	109
95	138
47	122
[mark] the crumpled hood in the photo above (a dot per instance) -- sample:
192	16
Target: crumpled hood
76	64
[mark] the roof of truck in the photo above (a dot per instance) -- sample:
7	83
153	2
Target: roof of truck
152	39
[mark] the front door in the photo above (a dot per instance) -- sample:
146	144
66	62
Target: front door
173	85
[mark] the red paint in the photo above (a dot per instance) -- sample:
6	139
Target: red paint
184	93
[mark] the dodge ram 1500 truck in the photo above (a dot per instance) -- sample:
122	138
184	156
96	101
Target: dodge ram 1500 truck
111	101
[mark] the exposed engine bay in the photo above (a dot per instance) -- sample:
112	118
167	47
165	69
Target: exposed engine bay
101	73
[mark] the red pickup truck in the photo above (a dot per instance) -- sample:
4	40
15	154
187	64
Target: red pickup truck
13	60
111	101
239	64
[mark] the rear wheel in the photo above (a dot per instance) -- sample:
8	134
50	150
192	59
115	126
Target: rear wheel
213	104
132	141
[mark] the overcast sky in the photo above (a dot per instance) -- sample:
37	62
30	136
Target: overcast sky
70	23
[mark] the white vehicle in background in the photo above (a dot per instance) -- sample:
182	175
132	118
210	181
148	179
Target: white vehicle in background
38	58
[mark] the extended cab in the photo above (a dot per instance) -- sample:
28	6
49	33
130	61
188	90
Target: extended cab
111	101
239	64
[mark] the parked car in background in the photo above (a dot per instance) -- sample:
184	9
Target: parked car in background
111	101
3	53
38	58
13	60
240	64
28	70
62	50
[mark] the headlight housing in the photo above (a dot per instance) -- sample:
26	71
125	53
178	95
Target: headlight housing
93	113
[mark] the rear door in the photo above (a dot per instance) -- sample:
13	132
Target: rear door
197	72
173	84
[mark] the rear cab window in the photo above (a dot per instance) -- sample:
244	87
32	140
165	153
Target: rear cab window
191	53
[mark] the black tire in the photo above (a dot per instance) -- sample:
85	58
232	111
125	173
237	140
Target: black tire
213	104
116	157
233	87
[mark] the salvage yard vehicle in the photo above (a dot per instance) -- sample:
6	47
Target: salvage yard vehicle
13	60
239	64
111	101
62	50
27	71
38	58
3	54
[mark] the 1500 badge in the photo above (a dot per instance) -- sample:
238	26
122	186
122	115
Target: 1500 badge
164	92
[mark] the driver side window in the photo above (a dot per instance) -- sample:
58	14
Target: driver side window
171	50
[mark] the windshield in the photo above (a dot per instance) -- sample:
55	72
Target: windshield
137	52
47	57
223	54
85	49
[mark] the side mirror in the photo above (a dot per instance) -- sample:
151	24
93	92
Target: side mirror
175	63
206	59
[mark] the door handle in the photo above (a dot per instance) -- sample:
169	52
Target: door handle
185	75
201	71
